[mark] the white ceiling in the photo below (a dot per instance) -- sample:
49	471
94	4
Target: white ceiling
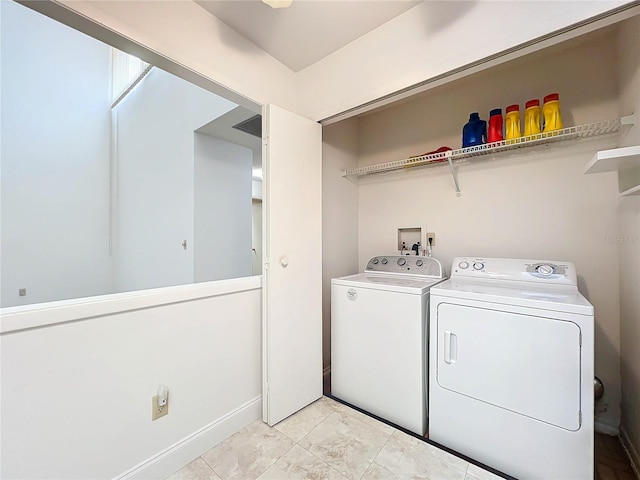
308	30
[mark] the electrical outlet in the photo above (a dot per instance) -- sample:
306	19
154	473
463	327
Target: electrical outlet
432	236
156	411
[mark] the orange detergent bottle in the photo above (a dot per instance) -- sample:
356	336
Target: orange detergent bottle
512	122
551	113
532	117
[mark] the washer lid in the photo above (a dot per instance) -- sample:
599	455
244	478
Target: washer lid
390	283
557	298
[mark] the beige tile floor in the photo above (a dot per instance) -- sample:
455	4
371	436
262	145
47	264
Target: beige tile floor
327	440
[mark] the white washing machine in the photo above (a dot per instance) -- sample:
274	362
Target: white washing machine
511	367
379	338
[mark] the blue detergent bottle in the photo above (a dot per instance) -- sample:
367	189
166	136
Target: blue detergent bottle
475	132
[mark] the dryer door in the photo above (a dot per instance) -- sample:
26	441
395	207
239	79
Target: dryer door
526	364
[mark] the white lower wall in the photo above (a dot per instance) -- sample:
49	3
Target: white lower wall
339	216
76	396
222	209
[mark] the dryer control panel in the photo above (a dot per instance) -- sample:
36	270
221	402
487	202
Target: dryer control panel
406	265
515	269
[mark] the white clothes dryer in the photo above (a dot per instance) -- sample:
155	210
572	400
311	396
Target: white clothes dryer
512	367
379	338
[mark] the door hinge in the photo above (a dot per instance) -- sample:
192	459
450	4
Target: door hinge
580	419
580	338
266	264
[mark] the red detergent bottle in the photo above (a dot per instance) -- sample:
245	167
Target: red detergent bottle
495	125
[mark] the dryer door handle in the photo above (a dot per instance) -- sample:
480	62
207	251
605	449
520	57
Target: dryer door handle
450	347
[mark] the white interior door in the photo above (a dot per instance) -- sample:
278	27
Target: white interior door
292	309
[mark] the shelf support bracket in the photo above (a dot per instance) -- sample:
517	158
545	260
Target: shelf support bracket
454	174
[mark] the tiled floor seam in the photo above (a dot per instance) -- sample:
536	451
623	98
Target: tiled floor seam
374	458
213	469
323	461
275	461
306	450
207	463
466	472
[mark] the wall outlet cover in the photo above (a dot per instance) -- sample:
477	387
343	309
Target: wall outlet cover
156	411
431	235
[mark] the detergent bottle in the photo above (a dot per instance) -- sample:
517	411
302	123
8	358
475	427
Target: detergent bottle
495	125
474	132
512	122
532	117
551	113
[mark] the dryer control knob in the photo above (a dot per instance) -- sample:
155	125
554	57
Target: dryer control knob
463	265
385	261
478	266
419	263
545	270
402	261
374	261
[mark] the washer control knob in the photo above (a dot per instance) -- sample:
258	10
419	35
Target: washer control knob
401	261
419	263
375	261
545	270
478	266
463	265
385	261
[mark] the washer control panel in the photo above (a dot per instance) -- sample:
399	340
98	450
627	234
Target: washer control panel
407	264
537	271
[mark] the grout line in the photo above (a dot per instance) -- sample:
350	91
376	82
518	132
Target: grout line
208	466
218	445
287	451
466	472
377	454
323	461
313	454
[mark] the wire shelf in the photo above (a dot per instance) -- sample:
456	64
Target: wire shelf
452	157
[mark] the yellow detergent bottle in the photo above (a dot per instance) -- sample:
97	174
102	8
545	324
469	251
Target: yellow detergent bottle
512	122
551	113
532	117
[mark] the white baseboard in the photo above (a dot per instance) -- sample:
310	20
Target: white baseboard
170	460
602	426
631	451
